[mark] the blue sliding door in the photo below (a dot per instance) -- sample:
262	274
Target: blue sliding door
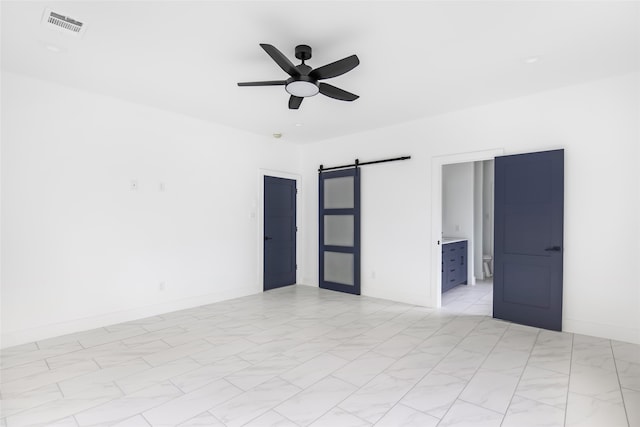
339	217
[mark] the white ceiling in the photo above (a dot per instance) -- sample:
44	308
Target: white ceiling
417	59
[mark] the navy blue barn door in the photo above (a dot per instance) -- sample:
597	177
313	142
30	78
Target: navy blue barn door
279	232
529	204
339	218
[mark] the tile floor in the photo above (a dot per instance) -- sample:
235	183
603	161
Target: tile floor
301	356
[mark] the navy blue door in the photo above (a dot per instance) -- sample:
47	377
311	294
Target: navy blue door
339	217
279	232
529	204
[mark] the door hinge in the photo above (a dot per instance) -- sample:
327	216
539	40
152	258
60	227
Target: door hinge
296	266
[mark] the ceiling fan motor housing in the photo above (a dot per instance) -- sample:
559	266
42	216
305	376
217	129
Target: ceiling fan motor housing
303	52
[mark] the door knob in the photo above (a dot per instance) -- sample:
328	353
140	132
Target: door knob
553	249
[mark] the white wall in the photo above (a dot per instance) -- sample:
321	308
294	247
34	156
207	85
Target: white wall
458	208
80	249
487	207
597	125
478	212
457	200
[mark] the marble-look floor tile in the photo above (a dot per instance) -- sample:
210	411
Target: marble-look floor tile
152	376
506	360
551	359
271	419
403	416
29	399
530	413
413	366
9	358
586	411
128	406
544	386
379	395
62	408
254	375
439	344
361	370
192	349
314	401
339	417
354	348
313	370
301	355
434	394
491	390
264	351
595	382
310	349
115	356
189	405
397	346
480	343
626	351
65	422
194	379
560	340
463	414
461	363
249	405
21	371
135	421
629	374
41	379
111	337
223	351
595	356
632	406
203	420
162	334
98	378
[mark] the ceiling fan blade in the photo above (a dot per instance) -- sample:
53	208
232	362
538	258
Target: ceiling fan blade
281	60
335	68
267	83
294	102
337	93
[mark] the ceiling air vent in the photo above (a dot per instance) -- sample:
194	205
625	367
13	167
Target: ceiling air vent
62	23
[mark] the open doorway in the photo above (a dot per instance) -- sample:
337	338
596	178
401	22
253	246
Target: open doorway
462	230
467	236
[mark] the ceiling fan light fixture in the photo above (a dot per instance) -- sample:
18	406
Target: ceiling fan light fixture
302	88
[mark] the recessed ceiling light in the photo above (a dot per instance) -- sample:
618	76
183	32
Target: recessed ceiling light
277	135
298	124
532	60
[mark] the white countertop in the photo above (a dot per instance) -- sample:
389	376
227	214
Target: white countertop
446	240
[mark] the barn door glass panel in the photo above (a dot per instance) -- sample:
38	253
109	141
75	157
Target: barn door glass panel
339	220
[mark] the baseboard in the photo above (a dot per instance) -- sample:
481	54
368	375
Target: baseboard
602	330
13	338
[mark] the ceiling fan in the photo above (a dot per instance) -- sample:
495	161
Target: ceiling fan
304	80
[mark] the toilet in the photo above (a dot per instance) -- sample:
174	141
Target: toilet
486	265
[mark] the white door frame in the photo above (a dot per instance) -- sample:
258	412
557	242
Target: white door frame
260	217
437	163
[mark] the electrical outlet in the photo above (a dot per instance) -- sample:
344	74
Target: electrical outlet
373	274
161	286
133	184
162	187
